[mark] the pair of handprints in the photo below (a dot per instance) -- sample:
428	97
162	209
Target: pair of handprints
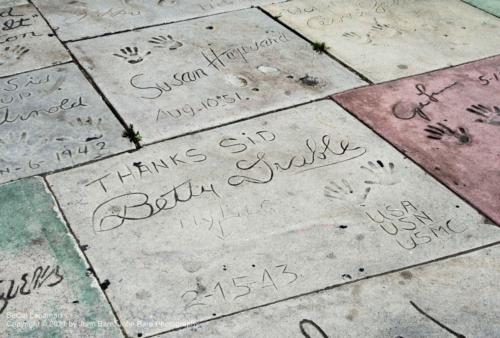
382	175
133	55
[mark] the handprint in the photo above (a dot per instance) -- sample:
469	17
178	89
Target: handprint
442	132
131	54
487	115
378	26
384	174
163	42
346	192
353	35
9	54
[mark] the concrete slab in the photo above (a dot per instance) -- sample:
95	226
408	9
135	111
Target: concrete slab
448	121
52	119
79	19
45	287
184	77
26	42
460	293
389	39
240	216
491	6
9	3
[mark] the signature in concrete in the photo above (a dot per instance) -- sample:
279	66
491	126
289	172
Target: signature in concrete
137	206
434	320
30	282
262	170
310	329
399	109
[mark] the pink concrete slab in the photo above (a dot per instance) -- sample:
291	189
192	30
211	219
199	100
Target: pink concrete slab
448	121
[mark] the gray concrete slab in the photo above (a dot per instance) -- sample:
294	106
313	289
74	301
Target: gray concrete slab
52	119
461	294
46	289
79	19
389	39
9	3
251	213
179	78
26	41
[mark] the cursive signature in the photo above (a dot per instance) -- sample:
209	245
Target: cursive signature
317	156
431	98
136	206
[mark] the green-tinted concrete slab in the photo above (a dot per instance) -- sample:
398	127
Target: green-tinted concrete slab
45	287
492	6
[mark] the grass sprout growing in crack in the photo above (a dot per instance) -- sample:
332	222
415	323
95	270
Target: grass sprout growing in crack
132	135
320	47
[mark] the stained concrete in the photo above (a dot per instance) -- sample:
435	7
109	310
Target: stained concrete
389	39
52	119
240	216
459	293
491	6
179	78
26	42
79	19
448	121
46	288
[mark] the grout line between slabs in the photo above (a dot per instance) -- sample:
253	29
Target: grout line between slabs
334	286
155	25
92	270
329	97
421	167
300	35
86	74
37	69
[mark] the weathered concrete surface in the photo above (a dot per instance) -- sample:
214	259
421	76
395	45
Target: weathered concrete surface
184	77
45	288
9	3
448	121
460	293
492	6
52	119
247	214
26	42
79	19
389	39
